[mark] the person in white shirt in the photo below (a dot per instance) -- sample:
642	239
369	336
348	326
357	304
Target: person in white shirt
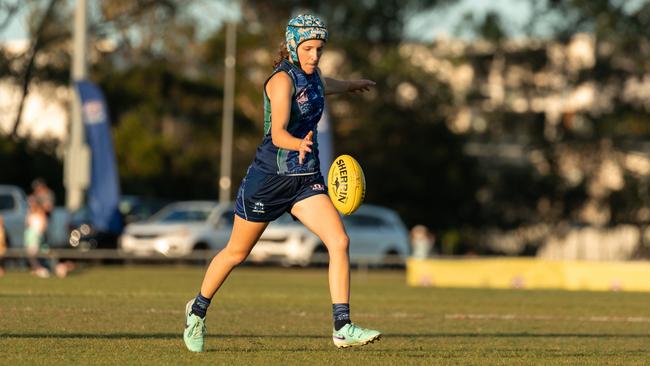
35	226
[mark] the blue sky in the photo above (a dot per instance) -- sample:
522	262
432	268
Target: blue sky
15	29
443	20
424	27
204	11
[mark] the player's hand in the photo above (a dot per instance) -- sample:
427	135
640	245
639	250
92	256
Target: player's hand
360	86
305	146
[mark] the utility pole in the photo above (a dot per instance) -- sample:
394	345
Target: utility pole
225	181
77	157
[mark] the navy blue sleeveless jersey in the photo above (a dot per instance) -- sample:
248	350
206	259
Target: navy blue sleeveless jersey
307	105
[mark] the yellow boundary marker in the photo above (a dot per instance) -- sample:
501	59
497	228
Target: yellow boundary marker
529	273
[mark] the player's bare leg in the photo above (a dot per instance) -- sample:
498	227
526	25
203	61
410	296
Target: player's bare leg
319	215
242	240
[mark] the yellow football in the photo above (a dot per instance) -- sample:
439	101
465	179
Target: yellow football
346	184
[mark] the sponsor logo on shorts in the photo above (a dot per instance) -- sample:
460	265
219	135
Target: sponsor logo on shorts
317	187
258	208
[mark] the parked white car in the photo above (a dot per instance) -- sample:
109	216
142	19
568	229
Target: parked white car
375	234
179	228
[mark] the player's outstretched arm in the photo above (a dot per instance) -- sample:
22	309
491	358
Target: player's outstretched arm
334	86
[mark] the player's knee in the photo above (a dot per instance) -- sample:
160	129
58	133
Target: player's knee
235	257
339	244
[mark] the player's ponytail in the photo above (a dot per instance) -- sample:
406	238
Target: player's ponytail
283	54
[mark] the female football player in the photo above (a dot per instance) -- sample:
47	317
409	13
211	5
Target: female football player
285	177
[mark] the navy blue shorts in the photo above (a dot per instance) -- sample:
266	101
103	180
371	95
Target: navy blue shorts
264	198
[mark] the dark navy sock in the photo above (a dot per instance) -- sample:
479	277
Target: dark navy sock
200	305
341	314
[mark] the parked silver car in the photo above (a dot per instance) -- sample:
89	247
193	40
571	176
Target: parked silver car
375	233
179	228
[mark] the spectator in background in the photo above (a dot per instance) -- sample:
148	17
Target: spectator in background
35	225
63	268
43	195
422	241
45	199
3	246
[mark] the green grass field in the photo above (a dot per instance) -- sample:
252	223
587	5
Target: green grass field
267	316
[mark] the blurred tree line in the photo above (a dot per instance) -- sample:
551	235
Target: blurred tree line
163	82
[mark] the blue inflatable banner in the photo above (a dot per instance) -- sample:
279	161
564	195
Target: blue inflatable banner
104	192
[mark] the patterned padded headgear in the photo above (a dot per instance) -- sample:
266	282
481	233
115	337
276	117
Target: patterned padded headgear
303	28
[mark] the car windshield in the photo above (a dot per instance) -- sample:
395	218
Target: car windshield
81	214
362	220
6	202
182	215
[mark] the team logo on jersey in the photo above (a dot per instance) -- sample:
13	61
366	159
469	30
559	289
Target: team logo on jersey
317	187
258	208
310	102
303	97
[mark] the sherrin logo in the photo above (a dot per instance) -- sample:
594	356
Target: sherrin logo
341	182
347	184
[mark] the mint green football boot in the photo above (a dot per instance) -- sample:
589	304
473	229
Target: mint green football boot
195	330
351	335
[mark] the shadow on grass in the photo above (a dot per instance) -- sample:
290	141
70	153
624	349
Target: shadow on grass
312	336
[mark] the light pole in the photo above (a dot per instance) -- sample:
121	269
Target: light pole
77	157
225	180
